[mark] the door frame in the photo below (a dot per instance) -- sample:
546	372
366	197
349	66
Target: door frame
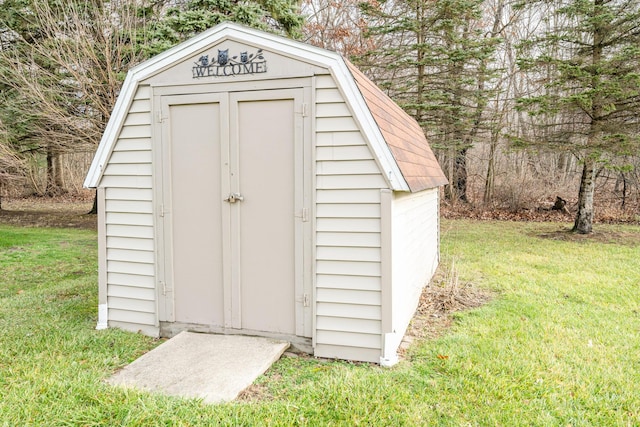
301	91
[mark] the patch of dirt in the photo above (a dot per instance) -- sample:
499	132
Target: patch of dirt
604	214
257	392
254	393
461	211
607	237
59	212
443	296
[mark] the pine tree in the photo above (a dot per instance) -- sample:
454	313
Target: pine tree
434	63
587	61
188	18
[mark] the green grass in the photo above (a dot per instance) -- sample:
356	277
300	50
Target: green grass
559	344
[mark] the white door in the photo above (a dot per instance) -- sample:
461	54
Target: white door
234	211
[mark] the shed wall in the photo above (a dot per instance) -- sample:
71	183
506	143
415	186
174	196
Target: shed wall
129	234
348	270
415	254
348	254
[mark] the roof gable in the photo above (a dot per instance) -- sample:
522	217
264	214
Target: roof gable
403	135
398	156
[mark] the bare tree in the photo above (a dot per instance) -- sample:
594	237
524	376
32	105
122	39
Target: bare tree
336	25
62	71
11	167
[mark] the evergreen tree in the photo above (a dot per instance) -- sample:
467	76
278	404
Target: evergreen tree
187	18
434	63
587	61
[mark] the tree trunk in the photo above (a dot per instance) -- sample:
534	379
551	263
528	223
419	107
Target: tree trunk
450	189
456	162
584	217
54	175
461	174
57	172
421	67
94	208
489	182
50	180
621	181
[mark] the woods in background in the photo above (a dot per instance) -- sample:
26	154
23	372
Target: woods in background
62	63
522	101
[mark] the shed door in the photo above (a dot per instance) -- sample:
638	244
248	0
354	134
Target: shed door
234	225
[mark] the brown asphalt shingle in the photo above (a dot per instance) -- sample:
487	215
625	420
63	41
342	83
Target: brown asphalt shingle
403	135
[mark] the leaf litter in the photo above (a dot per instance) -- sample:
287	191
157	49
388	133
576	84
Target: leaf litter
442	297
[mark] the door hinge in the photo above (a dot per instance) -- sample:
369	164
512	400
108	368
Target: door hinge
163	286
305	300
305	110
304	214
161	211
159	117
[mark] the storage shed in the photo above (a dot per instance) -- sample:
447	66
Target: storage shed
251	184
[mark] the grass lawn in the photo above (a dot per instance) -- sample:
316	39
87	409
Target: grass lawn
559	344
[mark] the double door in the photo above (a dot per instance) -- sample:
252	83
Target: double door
234	211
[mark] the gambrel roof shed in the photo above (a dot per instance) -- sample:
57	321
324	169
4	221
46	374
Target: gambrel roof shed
254	184
399	141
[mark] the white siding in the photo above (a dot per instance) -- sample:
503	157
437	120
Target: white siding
131	296
415	253
348	271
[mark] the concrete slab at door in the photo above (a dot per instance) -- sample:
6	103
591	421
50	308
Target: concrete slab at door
215	368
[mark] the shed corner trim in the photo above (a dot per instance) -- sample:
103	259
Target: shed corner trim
389	356
103	311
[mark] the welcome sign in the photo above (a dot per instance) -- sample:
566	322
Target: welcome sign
222	64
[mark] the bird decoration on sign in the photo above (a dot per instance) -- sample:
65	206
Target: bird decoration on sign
223	64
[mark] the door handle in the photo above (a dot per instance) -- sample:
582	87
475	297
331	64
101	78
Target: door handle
234	197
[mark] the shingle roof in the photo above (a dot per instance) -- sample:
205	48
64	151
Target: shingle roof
403	135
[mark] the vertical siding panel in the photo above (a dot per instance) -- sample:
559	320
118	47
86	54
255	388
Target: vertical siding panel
386	276
128	213
103	309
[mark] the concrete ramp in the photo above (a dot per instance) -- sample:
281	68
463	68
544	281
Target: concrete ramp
215	368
